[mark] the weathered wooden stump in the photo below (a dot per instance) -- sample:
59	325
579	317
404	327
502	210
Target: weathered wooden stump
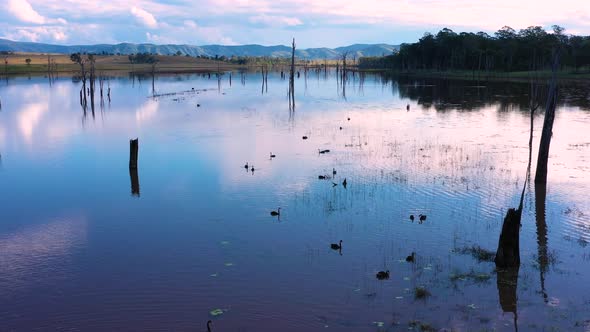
133	153
508	253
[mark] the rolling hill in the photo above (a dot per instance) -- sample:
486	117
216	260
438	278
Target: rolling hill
356	50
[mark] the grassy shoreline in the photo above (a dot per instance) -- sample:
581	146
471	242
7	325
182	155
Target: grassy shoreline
17	64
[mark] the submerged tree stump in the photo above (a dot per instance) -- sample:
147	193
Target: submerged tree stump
133	153
508	253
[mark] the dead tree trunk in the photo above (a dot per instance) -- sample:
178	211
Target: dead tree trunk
543	157
262	71
92	81
508	253
292	79
133	153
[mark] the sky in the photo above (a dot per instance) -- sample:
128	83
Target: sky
313	23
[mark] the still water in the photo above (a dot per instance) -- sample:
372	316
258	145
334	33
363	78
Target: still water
81	250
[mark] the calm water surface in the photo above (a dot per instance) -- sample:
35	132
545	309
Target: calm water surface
80	251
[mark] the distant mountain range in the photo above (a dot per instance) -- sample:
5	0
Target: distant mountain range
357	50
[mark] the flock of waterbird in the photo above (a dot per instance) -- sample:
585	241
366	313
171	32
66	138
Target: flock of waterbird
381	275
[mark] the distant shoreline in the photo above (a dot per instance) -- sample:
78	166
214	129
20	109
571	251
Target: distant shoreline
17	65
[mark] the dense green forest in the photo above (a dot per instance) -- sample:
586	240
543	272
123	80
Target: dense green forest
508	50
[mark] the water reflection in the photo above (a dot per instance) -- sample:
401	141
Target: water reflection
134	181
542	246
202	228
507	283
28	119
39	249
468	95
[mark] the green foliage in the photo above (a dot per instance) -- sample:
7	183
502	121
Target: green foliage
529	49
257	60
479	253
142	58
76	57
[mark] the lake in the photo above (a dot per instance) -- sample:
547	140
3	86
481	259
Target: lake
87	245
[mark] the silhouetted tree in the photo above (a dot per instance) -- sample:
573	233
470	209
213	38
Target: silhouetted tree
507	50
77	58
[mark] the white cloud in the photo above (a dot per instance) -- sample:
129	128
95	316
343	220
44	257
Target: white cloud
144	17
275	21
158	39
190	24
59	35
38	33
208	34
23	11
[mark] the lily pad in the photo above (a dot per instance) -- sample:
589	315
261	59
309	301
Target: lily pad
216	312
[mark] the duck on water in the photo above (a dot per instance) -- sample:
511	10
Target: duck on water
337	246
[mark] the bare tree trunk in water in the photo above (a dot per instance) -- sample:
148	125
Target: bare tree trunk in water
543	158
292	80
133	153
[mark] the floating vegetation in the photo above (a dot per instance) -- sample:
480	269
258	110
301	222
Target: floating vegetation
214	275
472	306
471	275
171	94
379	324
548	259
217	312
229	264
575	211
479	253
421	293
421	326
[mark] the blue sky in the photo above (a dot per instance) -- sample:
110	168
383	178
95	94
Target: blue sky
313	23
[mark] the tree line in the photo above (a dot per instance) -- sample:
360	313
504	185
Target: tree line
507	50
